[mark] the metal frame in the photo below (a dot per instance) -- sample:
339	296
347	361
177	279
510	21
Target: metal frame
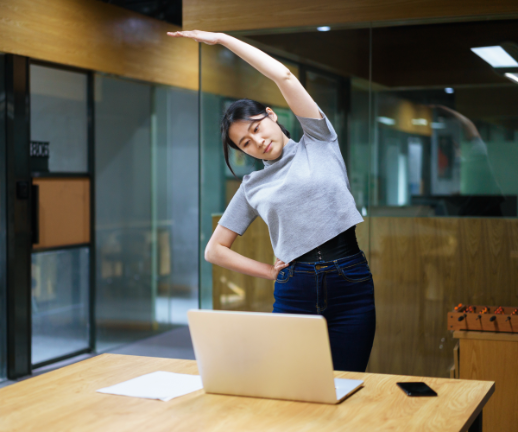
18	207
18	219
3	223
200	124
90	174
61	358
91	171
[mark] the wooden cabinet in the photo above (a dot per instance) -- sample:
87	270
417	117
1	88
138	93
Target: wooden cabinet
489	356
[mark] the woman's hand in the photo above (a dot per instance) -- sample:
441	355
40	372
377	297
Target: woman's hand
277	267
198	35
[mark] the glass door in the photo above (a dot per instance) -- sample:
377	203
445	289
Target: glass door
61	213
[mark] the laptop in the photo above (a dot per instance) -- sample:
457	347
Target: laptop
276	356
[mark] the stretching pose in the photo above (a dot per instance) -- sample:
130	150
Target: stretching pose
303	195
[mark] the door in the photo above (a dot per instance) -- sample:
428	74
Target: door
61	171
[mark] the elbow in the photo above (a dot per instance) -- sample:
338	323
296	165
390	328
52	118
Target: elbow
210	253
288	75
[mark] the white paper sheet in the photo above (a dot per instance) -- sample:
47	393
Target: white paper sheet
156	385
345	386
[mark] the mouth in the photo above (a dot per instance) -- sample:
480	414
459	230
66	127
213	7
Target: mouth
267	147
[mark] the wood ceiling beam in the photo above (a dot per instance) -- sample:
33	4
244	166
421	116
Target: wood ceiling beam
246	15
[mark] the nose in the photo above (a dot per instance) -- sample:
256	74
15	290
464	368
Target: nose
263	144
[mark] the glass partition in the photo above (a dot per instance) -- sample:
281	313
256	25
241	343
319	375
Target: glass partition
430	137
59	117
146	208
226	78
124	287
329	92
175	202
60	303
443	187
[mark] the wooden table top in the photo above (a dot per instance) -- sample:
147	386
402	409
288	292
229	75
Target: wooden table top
66	400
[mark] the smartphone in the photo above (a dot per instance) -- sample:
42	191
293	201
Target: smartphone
416	389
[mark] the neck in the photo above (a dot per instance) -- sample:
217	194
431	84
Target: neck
285	140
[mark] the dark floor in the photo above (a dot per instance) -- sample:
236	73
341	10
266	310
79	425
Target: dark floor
174	343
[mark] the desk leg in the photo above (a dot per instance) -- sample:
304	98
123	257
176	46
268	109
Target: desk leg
476	426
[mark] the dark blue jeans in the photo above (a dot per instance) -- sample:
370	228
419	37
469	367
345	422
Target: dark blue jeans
342	291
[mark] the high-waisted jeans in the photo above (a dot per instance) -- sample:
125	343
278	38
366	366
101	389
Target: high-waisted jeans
342	291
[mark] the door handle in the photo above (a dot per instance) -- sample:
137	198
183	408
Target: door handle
35	214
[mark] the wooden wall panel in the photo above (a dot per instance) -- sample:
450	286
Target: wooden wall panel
422	268
235	15
64	211
94	35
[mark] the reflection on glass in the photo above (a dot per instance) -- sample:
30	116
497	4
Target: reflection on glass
125	298
60	285
359	156
146	208
3	238
443	187
175	203
327	93
226	78
433	161
59	117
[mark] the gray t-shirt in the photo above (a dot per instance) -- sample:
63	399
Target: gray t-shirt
303	196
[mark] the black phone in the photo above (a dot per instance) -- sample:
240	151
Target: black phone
416	389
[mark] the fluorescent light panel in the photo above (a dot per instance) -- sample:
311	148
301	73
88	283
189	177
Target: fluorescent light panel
324	28
419	122
387	120
496	56
512	76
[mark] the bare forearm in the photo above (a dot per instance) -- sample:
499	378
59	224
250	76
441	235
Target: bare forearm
227	258
261	61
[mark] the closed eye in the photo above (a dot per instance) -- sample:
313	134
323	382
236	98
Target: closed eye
255	131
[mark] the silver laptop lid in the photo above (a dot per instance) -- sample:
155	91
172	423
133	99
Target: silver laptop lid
280	356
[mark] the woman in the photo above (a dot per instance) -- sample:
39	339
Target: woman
304	197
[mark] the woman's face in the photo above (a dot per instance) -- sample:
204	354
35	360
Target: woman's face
261	139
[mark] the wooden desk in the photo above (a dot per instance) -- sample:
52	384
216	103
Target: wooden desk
66	400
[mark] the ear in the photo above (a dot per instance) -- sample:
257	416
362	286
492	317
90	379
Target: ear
271	114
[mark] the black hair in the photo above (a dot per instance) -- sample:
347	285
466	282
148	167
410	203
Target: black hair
243	109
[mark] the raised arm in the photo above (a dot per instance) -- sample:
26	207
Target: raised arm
469	127
298	99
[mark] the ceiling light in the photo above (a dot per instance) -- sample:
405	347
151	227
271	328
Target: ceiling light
496	56
512	76
419	122
387	120
324	28
449	90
